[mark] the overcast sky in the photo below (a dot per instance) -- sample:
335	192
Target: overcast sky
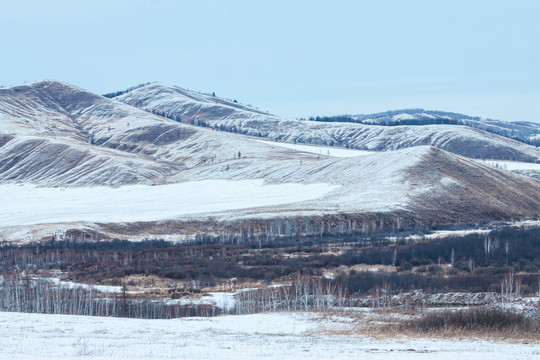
292	58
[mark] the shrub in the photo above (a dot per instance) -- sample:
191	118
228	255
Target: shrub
477	320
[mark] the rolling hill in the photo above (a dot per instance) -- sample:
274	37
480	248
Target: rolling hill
73	162
528	132
207	110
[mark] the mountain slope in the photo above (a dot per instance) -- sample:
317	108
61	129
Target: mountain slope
527	132
60	162
203	181
190	107
53	133
414	189
414	179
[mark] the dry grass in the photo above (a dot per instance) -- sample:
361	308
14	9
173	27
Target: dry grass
472	324
478	322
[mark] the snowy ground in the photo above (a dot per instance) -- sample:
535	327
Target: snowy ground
445	233
512	165
27	204
270	336
74	285
323	150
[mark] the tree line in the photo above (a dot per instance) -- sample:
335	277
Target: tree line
471	263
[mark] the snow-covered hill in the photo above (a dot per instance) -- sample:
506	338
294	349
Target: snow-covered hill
52	133
191	107
519	130
57	136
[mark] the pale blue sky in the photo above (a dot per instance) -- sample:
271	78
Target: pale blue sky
293	58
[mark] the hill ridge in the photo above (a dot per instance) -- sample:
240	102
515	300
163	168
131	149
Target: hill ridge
462	140
99	143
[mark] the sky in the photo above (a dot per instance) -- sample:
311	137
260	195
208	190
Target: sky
292	58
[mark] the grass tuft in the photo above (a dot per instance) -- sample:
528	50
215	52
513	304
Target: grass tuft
475	320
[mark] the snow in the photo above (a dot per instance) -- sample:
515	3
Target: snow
245	120
28	204
403	117
99	142
223	300
513	165
271	336
447	233
323	150
74	285
311	187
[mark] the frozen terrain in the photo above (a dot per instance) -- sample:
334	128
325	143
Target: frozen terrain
191	107
322	150
81	150
27	204
423	181
513	165
269	336
74	285
524	168
524	131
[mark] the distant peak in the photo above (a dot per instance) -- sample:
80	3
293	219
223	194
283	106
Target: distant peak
50	86
121	92
46	82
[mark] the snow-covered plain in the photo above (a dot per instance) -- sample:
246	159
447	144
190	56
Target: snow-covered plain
28	204
513	165
322	150
270	336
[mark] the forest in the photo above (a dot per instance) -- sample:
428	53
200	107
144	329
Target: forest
295	274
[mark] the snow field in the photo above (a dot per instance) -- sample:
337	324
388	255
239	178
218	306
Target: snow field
27	204
444	233
74	285
322	150
270	336
512	165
